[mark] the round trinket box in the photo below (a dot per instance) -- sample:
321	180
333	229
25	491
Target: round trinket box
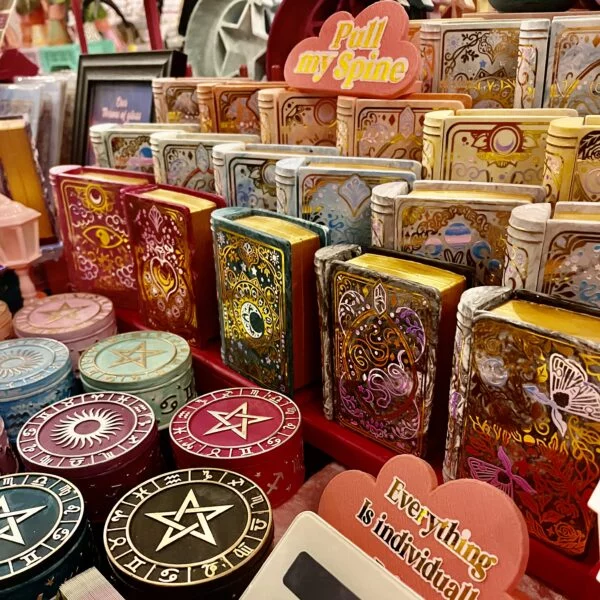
34	373
104	443
154	365
44	535
77	320
200	533
5	321
8	461
251	431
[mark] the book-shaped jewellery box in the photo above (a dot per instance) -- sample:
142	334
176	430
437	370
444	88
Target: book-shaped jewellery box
385	326
459	222
175	99
231	107
128	146
389	128
245	172
500	146
556	250
94	231
573	66
268	295
336	191
185	159
173	249
292	117
525	407
572	166
478	58
314	561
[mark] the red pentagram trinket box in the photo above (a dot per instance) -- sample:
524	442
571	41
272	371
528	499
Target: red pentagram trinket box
251	431
105	443
198	533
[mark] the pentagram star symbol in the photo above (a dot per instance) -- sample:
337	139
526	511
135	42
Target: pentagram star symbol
64	311
137	355
189	506
13	518
242	40
241	428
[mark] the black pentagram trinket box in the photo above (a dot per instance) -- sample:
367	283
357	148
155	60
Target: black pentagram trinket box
44	535
201	533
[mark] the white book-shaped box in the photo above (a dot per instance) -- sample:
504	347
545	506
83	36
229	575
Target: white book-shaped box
313	561
245	172
460	222
127	146
555	251
185	159
336	191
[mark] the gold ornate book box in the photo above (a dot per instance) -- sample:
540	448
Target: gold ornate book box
128	146
478	58
174	262
185	159
245	173
556	250
572	166
231	107
268	296
501	146
385	324
292	117
459	222
389	128
525	408
336	191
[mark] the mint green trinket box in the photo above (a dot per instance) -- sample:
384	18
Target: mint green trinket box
153	365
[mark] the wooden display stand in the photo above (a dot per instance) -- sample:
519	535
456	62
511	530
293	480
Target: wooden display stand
574	578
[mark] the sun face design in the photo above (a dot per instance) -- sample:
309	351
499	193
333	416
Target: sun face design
85	428
18	362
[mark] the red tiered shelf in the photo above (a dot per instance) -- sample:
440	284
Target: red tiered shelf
574	578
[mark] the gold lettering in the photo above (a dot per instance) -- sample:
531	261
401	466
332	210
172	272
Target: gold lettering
344	29
395	488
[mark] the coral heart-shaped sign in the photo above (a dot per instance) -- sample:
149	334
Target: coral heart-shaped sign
462	540
369	56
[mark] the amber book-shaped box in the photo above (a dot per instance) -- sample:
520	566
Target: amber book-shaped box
20	170
478	58
268	296
185	159
556	250
459	222
389	128
172	244
128	146
336	191
572	166
525	407
292	117
385	323
93	224
231	107
501	146
245	173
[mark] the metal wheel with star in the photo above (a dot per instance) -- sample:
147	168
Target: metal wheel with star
223	36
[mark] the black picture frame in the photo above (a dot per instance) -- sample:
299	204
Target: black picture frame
132	67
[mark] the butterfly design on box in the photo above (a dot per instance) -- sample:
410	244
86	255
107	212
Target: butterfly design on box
502	477
570	393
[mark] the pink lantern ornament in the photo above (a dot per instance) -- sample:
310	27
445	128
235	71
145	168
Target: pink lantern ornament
19	242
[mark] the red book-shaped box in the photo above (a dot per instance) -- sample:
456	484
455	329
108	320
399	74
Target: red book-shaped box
97	248
175	271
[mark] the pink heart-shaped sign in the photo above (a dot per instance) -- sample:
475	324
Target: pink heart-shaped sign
369	56
462	540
